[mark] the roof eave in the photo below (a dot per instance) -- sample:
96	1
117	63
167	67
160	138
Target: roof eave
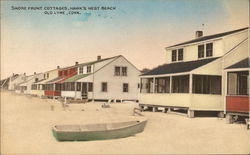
164	75
195	43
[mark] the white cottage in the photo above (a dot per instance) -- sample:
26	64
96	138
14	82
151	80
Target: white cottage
26	86
110	78
15	80
193	77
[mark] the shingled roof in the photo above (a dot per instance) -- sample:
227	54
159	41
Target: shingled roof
179	67
241	64
209	37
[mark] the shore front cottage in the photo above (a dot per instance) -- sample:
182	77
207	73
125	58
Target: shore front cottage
5	83
53	87
26	86
39	87
16	79
110	78
193	77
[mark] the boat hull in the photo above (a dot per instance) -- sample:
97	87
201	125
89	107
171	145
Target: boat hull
100	135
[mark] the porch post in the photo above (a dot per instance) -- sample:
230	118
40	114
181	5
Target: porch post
190	83
54	85
75	89
153	85
81	90
170	84
190	112
93	84
224	92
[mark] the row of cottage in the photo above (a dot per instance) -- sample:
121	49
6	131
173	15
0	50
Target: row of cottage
208	73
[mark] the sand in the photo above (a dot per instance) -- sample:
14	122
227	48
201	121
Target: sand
26	124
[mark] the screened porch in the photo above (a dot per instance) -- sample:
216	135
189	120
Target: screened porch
194	91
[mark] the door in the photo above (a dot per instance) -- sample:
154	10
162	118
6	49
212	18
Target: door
84	90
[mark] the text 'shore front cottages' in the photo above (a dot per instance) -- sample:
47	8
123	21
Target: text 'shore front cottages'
110	78
193	76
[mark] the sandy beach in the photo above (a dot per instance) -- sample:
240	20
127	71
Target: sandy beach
26	124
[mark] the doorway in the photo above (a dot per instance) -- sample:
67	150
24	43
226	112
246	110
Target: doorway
84	90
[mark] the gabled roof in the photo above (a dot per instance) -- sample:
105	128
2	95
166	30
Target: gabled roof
80	76
96	61
87	63
241	64
214	36
179	67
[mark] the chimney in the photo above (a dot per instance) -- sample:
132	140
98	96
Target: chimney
99	57
58	67
34	73
198	34
76	63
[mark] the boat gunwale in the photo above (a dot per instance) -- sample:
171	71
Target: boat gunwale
138	122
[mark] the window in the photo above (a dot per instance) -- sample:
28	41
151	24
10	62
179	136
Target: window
238	83
89	69
124	71
43	87
206	84
66	86
47	75
174	55
78	86
72	86
104	87
125	87
180	84
44	76
146	85
90	87
209	49
69	86
180	54
63	87
48	87
201	51
34	87
162	85
80	70
65	73
60	73
58	87
117	71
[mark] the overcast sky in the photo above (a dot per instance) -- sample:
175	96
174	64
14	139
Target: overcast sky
32	41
